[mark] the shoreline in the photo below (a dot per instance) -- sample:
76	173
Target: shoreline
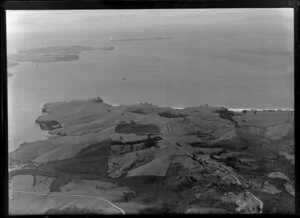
195	106
47	135
260	109
114	154
176	108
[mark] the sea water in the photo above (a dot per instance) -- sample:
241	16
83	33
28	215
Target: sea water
226	65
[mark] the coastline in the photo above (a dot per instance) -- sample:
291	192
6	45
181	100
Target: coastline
47	135
89	124
260	109
196	106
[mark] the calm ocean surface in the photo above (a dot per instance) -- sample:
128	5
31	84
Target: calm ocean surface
236	66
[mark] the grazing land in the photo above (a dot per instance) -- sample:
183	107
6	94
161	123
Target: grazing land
148	159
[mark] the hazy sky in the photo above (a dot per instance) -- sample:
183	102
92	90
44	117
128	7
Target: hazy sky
23	21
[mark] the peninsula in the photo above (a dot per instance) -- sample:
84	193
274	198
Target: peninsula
142	159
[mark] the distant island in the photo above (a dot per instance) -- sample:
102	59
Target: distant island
144	158
11	64
53	54
138	39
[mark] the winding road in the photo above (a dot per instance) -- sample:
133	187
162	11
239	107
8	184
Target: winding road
63	194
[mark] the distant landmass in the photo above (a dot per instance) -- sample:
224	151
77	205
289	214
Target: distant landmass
148	159
11	64
53	54
138	39
267	52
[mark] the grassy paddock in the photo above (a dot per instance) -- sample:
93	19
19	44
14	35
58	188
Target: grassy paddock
138	129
